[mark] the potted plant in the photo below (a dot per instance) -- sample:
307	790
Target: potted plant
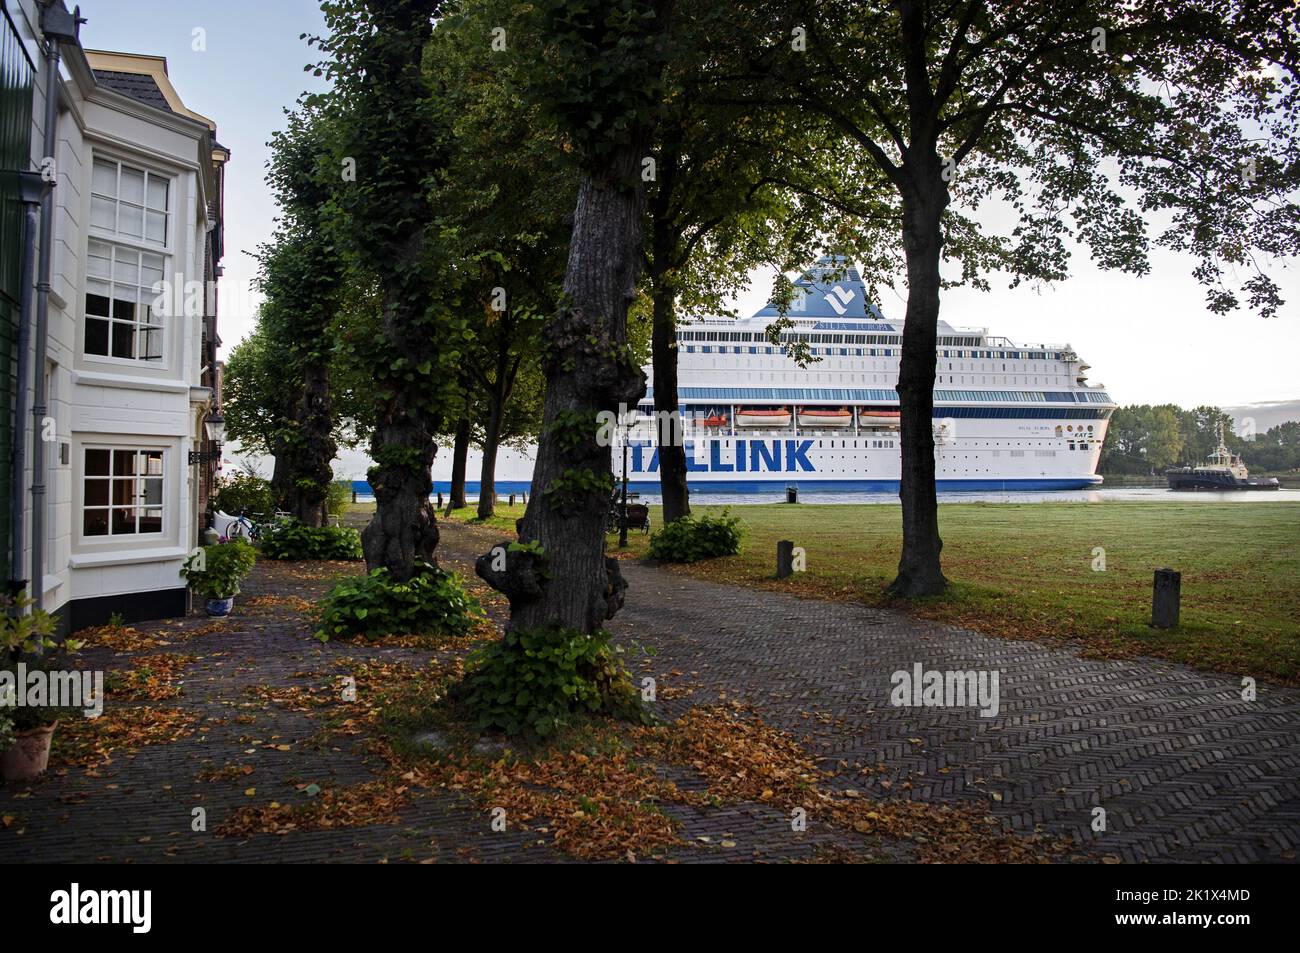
26	730
214	572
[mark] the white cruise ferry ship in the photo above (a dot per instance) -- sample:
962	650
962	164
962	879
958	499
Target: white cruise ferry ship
1006	416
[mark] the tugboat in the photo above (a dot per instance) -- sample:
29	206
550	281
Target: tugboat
1222	471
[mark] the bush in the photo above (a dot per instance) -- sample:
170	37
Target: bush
244	492
339	498
28	633
533	681
430	602
216	571
689	540
291	539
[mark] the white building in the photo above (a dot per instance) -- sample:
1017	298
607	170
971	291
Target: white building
130	373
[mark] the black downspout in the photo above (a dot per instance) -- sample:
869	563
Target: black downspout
32	190
57	26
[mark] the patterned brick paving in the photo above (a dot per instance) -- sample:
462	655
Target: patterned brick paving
1185	770
1183	767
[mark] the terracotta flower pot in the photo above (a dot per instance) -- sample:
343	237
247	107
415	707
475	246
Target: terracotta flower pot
29	756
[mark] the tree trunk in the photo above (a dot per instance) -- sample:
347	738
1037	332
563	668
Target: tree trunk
919	573
487	485
308	472
279	470
588	369
672	452
404	529
460	452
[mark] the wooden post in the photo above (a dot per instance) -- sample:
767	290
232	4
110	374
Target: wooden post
1165	595
354	493
792	494
512	499
439	499
784	558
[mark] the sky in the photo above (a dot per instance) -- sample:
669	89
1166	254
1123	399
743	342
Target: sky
1148	339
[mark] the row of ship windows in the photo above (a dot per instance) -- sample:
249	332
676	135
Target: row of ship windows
797	395
948	459
782	362
888	444
870	352
754	337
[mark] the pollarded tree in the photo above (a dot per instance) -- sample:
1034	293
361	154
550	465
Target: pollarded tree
302	276
598	70
506	340
391	149
1111	124
299	279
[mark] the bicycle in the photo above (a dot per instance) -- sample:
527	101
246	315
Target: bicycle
243	526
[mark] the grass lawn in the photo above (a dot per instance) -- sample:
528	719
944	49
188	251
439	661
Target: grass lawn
1026	571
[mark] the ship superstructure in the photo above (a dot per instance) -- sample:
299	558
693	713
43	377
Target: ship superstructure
1006	416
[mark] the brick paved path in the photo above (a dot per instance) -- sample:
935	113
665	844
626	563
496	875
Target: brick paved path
1185	770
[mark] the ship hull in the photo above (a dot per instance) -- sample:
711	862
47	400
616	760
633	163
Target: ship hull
861	464
873	486
1212	482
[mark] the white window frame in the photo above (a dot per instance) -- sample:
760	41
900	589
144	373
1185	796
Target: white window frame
138	246
164	476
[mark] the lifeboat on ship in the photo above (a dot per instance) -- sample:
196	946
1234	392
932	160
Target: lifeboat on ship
825	417
763	418
879	418
713	420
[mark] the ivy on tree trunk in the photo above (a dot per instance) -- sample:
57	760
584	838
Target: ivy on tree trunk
588	369
312	450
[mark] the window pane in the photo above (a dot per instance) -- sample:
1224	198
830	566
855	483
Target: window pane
98	258
152	490
123	493
97	299
126	265
103	213
156	227
124	463
124	304
96	337
130	220
123	340
104	178
95	523
153	463
151	271
132	185
151	345
151	521
158	192
97	492
123	520
97	462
